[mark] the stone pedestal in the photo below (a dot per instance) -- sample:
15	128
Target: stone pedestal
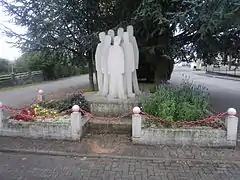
103	106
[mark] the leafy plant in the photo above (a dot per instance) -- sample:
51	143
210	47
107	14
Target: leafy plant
66	104
44	111
177	103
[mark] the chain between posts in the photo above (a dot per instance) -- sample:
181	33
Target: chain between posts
85	113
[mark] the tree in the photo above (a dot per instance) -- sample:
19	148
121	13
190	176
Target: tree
209	27
155	33
69	27
4	66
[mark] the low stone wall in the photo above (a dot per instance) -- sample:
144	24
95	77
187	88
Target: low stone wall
67	130
46	130
199	137
184	136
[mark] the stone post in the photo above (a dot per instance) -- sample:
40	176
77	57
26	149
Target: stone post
1	115
76	123
136	123
232	124
40	96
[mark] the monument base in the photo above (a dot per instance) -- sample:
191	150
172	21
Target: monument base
104	106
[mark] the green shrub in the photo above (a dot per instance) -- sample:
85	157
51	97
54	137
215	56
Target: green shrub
177	103
66	104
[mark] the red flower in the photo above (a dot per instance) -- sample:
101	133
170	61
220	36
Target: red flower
25	114
31	112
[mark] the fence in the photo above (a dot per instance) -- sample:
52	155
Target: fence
75	127
20	78
223	70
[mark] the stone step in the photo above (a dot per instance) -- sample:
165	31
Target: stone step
121	126
103	106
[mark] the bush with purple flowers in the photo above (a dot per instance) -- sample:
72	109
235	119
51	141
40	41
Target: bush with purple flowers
186	101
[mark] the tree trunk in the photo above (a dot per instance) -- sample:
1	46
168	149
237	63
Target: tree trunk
94	68
163	69
90	68
96	79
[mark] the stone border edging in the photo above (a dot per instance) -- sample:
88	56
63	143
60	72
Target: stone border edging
94	156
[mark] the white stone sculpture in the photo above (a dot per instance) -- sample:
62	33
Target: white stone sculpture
98	60
129	63
120	32
107	45
116	70
117	60
136	58
111	33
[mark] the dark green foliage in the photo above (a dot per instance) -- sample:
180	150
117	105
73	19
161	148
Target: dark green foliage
52	65
4	66
70	28
184	102
66	104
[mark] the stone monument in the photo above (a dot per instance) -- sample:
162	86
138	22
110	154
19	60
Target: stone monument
129	65
116	70
111	33
136	58
98	60
106	47
117	59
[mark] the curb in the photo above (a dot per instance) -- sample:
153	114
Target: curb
221	77
109	156
218	77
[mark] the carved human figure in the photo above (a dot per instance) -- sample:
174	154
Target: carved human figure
120	32
98	60
111	33
106	47
129	64
116	69
136	58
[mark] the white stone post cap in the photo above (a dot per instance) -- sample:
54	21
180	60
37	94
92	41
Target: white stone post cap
40	91
75	108
136	110
232	111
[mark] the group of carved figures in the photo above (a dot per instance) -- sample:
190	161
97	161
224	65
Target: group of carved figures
117	59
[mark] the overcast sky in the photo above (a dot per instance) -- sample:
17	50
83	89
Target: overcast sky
6	49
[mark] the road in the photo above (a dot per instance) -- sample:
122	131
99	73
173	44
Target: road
35	167
20	96
224	93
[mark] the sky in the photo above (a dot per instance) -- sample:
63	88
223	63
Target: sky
6	49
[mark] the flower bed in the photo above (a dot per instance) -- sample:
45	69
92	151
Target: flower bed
181	115
53	110
179	106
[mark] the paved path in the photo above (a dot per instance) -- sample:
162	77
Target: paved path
23	95
29	167
112	145
224	93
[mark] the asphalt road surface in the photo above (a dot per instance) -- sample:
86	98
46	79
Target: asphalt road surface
21	96
224	93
